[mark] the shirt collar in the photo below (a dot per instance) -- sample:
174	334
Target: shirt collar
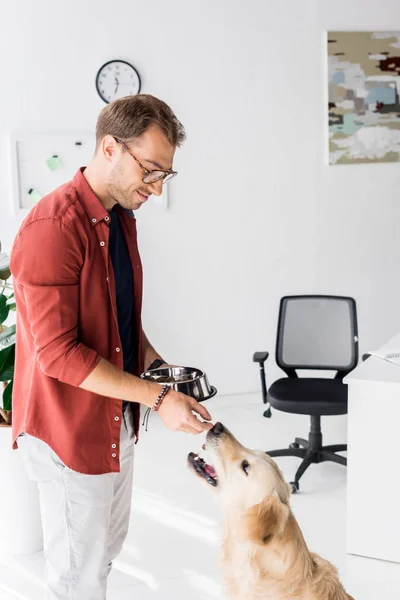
94	208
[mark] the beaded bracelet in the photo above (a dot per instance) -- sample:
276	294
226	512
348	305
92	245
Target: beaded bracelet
164	391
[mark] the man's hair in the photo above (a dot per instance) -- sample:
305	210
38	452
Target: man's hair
128	118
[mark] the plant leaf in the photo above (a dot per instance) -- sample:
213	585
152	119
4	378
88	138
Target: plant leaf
4	309
7	366
7	396
3	357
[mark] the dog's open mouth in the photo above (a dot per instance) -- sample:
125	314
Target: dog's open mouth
202	469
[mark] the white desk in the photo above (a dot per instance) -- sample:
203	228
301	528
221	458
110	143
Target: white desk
373	472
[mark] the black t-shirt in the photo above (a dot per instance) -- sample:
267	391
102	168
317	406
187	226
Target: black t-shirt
124	291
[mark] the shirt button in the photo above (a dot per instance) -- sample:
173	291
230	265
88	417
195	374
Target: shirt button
106	218
113	455
118	349
94	220
116	418
114	446
102	243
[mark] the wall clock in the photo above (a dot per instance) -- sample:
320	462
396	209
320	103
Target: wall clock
116	79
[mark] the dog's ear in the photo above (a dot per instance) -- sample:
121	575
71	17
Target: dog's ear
265	520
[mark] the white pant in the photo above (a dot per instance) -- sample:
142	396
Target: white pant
85	517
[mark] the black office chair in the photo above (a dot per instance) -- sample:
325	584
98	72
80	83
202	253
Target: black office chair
317	333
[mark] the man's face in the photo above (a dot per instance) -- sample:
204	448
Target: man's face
125	178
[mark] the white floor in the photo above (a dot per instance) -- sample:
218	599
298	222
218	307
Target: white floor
172	549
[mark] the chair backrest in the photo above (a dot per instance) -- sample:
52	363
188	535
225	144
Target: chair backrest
317	332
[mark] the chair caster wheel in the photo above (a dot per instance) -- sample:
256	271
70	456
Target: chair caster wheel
295	486
294	446
268	413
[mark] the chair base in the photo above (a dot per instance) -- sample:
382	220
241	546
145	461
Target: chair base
311	451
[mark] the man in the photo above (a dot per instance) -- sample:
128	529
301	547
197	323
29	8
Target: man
80	345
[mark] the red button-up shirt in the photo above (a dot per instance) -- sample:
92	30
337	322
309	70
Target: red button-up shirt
66	320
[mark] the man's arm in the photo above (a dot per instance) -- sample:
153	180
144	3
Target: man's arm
108	380
46	263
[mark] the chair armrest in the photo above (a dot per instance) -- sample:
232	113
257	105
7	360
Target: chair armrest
260	357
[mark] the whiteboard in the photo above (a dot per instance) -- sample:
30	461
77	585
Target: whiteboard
32	177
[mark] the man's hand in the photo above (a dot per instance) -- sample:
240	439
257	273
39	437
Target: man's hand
176	412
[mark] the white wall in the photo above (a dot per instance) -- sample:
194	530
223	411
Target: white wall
255	213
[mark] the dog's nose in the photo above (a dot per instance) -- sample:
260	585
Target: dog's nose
218	429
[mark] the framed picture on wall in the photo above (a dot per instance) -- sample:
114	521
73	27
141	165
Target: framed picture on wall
363	96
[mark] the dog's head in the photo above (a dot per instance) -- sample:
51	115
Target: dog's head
248	483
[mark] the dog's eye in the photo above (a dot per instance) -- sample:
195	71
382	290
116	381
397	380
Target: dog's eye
246	467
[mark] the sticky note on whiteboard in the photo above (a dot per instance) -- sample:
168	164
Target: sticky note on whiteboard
34	196
54	163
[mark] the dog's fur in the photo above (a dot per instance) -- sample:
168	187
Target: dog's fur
265	556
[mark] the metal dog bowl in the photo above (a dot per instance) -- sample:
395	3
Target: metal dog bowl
187	380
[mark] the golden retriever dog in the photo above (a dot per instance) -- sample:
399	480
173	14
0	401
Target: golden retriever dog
265	556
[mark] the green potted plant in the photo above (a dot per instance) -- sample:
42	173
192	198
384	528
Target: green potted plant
21	531
7	340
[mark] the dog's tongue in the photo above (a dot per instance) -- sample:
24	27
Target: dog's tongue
209	469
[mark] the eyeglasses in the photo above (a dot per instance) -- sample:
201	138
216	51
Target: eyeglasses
150	175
